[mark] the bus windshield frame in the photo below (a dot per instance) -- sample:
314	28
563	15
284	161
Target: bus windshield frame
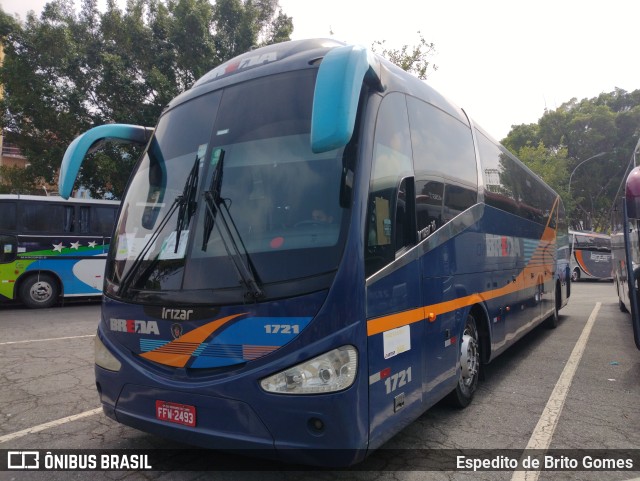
280	199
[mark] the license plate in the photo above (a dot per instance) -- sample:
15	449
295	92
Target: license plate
176	413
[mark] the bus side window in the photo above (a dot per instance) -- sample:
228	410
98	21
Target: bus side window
103	220
69	218
442	150
8	216
391	216
36	217
85	217
457	199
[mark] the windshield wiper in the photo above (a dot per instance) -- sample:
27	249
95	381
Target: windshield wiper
187	206
187	201
214	198
216	209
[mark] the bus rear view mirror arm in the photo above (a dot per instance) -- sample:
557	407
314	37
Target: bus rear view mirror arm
92	140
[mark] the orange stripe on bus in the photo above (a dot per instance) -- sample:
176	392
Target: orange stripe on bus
525	280
178	352
581	262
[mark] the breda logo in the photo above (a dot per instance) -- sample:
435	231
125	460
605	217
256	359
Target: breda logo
134	326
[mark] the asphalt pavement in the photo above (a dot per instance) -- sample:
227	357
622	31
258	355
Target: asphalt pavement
570	392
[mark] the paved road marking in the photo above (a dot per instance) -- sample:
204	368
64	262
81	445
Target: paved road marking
50	424
43	340
542	434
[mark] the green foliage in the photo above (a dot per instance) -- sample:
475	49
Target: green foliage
608	124
549	164
16	180
65	72
410	59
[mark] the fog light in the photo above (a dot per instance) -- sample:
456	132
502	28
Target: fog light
316	425
104	358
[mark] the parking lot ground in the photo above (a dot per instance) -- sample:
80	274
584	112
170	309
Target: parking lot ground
48	401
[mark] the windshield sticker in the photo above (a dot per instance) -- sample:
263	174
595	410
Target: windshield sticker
396	341
168	249
129	246
202	149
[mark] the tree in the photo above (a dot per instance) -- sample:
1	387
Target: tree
16	180
607	128
549	164
410	59
65	72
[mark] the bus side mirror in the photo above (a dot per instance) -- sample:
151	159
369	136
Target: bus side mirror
92	140
337	92
632	194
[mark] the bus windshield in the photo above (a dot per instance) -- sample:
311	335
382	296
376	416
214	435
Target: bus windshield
229	180
592	242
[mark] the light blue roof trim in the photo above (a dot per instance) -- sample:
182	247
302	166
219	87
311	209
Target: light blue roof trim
335	101
78	149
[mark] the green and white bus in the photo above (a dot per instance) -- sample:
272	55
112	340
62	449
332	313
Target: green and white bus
52	248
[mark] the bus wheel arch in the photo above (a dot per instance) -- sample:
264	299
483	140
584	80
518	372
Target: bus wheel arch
473	341
39	289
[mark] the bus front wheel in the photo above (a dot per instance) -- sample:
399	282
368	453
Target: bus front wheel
38	291
469	371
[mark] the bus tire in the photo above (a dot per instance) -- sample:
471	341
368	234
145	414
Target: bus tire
39	291
575	275
621	305
469	371
553	320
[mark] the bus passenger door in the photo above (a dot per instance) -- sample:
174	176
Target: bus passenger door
395	346
394	313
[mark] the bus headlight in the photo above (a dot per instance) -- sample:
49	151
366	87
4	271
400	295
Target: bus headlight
330	372
104	358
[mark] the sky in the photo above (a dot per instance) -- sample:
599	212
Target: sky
503	61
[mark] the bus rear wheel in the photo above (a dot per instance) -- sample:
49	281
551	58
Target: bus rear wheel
469	371
575	275
39	291
553	320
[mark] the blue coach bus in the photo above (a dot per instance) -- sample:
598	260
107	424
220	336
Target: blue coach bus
314	248
625	248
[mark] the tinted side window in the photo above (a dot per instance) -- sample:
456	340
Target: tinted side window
512	187
442	145
500	190
103	220
8	216
457	199
445	165
390	221
69	218
42	217
84	219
